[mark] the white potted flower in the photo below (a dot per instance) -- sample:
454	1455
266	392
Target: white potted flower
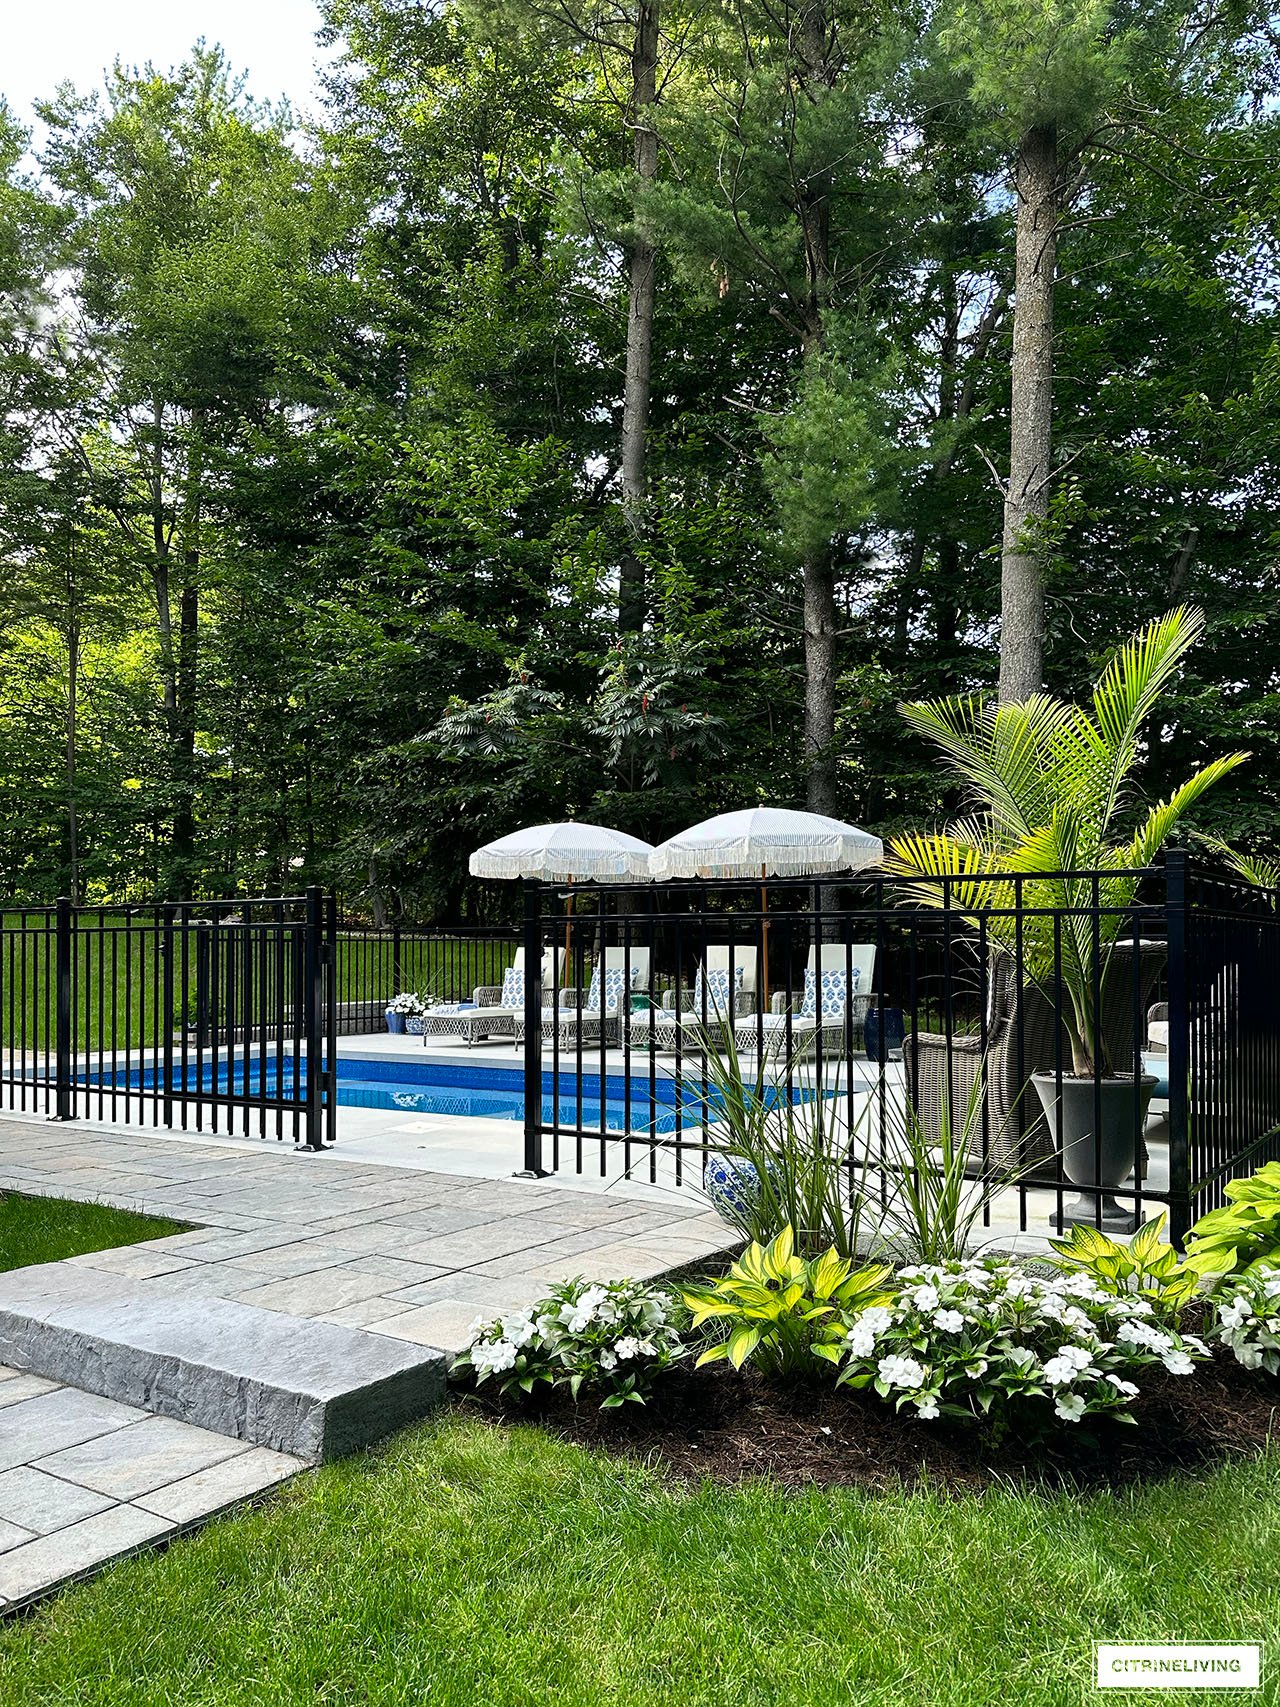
402	1010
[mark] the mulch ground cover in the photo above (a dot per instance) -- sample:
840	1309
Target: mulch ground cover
727	1426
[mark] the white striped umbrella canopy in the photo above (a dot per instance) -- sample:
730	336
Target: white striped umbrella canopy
766	841
565	853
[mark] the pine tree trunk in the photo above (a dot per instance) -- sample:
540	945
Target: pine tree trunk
820	681
1030	417
641	299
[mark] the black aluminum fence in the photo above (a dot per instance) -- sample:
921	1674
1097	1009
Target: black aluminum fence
441	963
943	1002
216	1016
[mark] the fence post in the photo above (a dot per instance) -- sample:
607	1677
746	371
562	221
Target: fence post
1179	1056
166	1010
313	1027
330	962
64	947
533	1168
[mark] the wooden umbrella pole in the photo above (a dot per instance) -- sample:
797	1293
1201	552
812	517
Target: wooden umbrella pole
568	934
764	935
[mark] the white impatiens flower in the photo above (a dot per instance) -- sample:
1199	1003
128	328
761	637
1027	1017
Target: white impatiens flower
927	1407
1236	1313
949	1321
924	1298
901	1372
1126	1389
1069	1406
1135	1332
1178	1363
1069	1362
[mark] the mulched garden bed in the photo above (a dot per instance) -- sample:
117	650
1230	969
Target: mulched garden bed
728	1426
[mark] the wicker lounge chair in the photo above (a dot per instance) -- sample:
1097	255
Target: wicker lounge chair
832	1009
1020	1041
597	1019
493	1010
724	990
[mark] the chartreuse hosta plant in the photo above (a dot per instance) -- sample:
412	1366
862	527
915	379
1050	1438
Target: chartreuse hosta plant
1147	1267
780	1311
1244	1235
612	1337
1051	793
983	1338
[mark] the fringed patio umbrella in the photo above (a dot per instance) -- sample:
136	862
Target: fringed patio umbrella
763	842
565	853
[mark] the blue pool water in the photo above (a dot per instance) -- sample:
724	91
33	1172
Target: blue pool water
489	1093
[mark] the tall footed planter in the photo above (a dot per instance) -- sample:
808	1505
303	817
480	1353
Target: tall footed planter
1097	1125
1048	865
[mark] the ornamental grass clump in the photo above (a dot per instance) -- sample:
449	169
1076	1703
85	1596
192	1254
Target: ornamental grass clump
612	1337
985	1339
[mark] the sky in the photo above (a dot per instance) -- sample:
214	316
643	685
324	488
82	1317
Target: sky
42	45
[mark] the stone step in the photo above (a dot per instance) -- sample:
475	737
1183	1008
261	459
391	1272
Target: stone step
317	1390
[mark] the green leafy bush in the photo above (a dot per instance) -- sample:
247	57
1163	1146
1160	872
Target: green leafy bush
1146	1268
1244	1235
781	1311
613	1337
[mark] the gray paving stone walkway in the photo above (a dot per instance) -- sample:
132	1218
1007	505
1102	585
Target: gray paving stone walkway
401	1252
84	1480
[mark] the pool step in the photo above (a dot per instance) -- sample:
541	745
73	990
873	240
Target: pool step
314	1389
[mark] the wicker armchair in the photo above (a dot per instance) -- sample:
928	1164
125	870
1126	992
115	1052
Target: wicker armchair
1021	1041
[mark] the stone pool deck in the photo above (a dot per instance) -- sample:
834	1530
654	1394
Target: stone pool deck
401	1258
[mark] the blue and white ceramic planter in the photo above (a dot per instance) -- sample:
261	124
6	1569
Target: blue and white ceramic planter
732	1185
415	1025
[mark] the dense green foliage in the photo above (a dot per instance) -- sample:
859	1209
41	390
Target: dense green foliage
310	519
49	1229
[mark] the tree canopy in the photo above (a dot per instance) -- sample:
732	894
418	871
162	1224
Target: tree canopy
605	411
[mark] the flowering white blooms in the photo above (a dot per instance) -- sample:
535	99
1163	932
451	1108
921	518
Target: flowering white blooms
1247	1311
1144	1334
867	1327
901	1372
615	1337
966	1338
1069	1364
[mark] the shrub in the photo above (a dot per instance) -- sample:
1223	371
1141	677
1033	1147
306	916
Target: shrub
981	1338
1147	1268
1247	1318
781	1311
613	1337
1245	1234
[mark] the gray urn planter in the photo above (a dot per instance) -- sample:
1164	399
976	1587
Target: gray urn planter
1102	1161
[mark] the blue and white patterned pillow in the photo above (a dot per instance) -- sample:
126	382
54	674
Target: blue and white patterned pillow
614	986
512	988
713	987
835	993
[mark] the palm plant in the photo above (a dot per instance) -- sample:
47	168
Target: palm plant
1054	801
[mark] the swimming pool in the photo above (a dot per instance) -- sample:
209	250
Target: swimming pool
469	1092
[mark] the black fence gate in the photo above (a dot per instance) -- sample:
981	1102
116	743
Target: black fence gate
215	1016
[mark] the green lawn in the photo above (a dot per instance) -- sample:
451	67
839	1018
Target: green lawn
474	1566
120	998
46	1229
